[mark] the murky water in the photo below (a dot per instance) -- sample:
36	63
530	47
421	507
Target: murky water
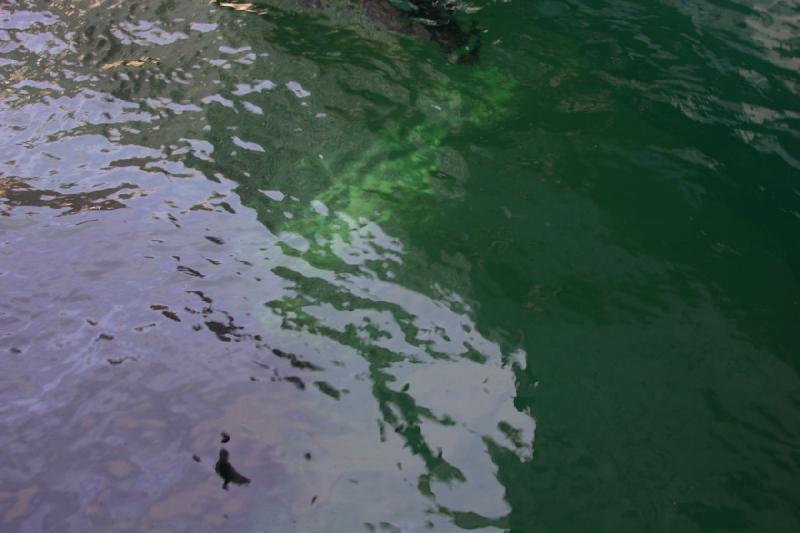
541	281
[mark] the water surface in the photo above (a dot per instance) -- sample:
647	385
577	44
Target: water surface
553	289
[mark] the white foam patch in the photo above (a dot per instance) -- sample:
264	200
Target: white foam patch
297	89
247	145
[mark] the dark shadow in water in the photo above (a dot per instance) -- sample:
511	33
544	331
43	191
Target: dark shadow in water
431	19
427	19
16	193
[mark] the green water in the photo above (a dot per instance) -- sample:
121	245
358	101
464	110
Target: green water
552	291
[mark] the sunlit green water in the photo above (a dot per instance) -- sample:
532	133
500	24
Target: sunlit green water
555	290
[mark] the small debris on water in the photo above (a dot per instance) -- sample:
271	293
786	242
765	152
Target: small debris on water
297	382
225	437
196	458
119	360
171	315
328	389
227	472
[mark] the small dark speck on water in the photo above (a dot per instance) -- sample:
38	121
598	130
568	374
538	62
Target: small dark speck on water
225	437
328	389
119	360
307	456
297	382
196	458
171	315
190	271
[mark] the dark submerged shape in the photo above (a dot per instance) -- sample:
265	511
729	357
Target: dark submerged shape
227	472
434	20
431	19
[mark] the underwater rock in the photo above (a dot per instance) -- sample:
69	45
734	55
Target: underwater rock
434	20
431	19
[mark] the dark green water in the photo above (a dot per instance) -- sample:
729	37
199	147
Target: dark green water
552	291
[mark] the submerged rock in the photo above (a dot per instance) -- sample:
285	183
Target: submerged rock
434	20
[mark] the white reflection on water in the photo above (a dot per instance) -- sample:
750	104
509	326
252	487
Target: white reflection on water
460	383
422	393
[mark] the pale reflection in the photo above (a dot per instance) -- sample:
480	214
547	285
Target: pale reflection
421	351
354	395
